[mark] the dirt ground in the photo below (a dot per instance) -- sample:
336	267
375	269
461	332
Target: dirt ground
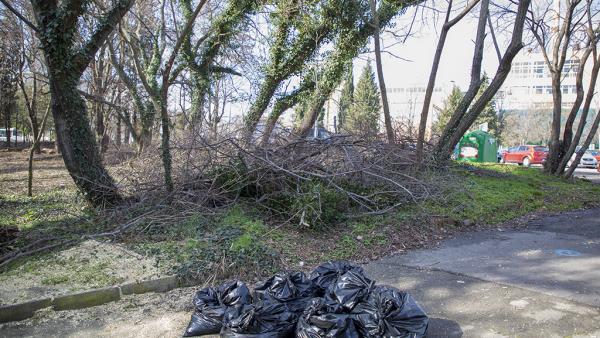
148	315
90	264
49	172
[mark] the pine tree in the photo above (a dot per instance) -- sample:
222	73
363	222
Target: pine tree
489	114
346	97
450	104
363	115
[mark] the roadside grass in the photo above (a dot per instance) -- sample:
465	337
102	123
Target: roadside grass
494	193
244	242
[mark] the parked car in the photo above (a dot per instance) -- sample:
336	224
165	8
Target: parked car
525	155
15	135
588	160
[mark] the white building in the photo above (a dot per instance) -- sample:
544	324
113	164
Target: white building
529	84
405	105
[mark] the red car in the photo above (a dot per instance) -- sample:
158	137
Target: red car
525	155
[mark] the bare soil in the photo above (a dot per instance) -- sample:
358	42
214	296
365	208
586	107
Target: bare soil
147	315
49	172
90	264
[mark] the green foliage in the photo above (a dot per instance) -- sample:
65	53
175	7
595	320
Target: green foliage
222	30
363	115
450	105
345	249
233	243
318	205
489	114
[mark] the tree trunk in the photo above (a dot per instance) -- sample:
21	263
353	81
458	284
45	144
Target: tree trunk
268	88
345	50
284	103
31	105
7	126
384	101
444	147
119	135
431	84
582	120
76	141
35	144
556	151
280	106
165	150
444	150
584	146
66	62
433	74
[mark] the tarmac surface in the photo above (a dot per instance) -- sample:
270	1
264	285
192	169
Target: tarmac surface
543	281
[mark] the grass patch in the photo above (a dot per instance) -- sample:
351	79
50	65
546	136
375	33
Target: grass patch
42	210
493	193
231	244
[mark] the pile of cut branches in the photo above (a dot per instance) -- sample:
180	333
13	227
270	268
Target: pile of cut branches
303	181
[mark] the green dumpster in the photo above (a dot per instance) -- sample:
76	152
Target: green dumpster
477	146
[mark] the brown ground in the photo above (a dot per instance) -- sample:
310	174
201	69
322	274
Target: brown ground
89	264
49	172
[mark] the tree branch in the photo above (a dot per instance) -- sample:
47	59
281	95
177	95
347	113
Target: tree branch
20	16
110	21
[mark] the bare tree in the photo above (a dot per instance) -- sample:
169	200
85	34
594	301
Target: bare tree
66	60
384	101
555	31
593	38
35	145
467	113
448	24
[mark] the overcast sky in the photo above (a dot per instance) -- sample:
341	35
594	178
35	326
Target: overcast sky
418	51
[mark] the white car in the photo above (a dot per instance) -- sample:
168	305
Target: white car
587	160
15	135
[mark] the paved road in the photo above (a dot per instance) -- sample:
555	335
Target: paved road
543	281
590	174
587	173
540	282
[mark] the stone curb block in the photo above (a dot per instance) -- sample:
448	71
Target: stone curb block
14	312
85	299
154	285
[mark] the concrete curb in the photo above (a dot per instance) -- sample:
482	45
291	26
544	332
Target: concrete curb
85	299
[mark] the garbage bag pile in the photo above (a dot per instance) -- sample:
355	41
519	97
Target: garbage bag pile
336	300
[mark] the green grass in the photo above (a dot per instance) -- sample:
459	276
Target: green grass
61	213
234	242
494	193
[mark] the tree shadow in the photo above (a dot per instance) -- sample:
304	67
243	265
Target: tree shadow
439	327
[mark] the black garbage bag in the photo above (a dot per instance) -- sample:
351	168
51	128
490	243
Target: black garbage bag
326	274
388	312
292	288
349	289
260	320
325	318
212	303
